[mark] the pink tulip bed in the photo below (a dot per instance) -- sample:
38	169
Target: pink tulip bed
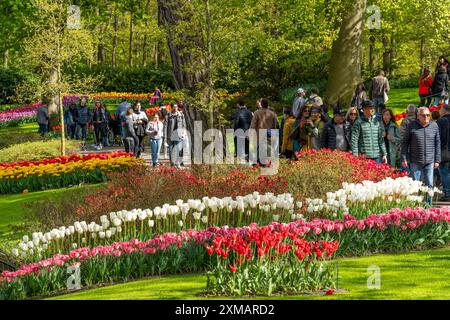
295	257
20	115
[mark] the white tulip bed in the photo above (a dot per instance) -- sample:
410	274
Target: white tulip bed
360	200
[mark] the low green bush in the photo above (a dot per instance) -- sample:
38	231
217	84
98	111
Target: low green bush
36	150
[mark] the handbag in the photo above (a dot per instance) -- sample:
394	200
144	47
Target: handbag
386	98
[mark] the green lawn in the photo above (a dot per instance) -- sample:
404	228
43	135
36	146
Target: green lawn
418	275
399	99
12	212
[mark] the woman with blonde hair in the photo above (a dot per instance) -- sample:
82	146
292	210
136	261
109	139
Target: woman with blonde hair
352	115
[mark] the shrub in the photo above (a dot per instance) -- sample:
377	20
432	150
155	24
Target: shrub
36	150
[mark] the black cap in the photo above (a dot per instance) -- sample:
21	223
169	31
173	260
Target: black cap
339	112
367	103
316	109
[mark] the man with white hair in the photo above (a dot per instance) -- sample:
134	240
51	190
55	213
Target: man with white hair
421	148
299	102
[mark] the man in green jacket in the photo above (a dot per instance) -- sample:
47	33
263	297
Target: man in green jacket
367	135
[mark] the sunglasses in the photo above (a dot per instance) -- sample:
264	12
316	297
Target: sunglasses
353	114
425	115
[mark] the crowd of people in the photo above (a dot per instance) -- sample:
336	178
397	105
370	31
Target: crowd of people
419	145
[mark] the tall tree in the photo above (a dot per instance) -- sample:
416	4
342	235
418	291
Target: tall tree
345	68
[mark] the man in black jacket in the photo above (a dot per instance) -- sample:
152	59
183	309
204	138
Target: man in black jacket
241	123
336	134
421	144
444	131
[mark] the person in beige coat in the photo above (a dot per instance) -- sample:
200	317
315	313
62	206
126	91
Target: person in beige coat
265	119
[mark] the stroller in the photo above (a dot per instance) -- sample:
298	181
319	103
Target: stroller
115	132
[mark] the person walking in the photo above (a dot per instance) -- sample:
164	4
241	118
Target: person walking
444	133
367	135
264	120
84	117
359	96
42	117
299	102
421	148
439	88
140	120
241	123
314	98
336	134
392	137
100	119
131	141
121	112
70	119
411	115
425	84
155	129
176	133
287	145
378	91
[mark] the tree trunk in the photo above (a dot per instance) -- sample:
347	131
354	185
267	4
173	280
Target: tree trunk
392	57
371	52
6	58
53	106
156	55
345	68
386	56
130	57
178	44
101	53
115	40
144	50
422	52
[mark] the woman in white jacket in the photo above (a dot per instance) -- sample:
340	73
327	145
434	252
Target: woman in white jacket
155	129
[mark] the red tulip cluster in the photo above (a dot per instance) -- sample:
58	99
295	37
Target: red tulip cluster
66	159
403	115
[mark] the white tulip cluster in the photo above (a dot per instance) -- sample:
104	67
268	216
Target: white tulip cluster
387	190
122	224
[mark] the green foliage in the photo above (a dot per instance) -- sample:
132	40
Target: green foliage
127	79
36	150
11	80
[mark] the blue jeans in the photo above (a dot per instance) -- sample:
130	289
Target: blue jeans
444	173
377	102
423	173
81	131
42	129
156	148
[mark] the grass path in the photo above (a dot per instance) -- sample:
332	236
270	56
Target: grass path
418	275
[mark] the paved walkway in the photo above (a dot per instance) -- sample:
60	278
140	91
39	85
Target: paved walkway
146	155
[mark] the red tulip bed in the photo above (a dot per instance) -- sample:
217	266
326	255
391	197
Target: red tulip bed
278	258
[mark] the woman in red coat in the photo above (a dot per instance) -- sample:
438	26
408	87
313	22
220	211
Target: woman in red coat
425	83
